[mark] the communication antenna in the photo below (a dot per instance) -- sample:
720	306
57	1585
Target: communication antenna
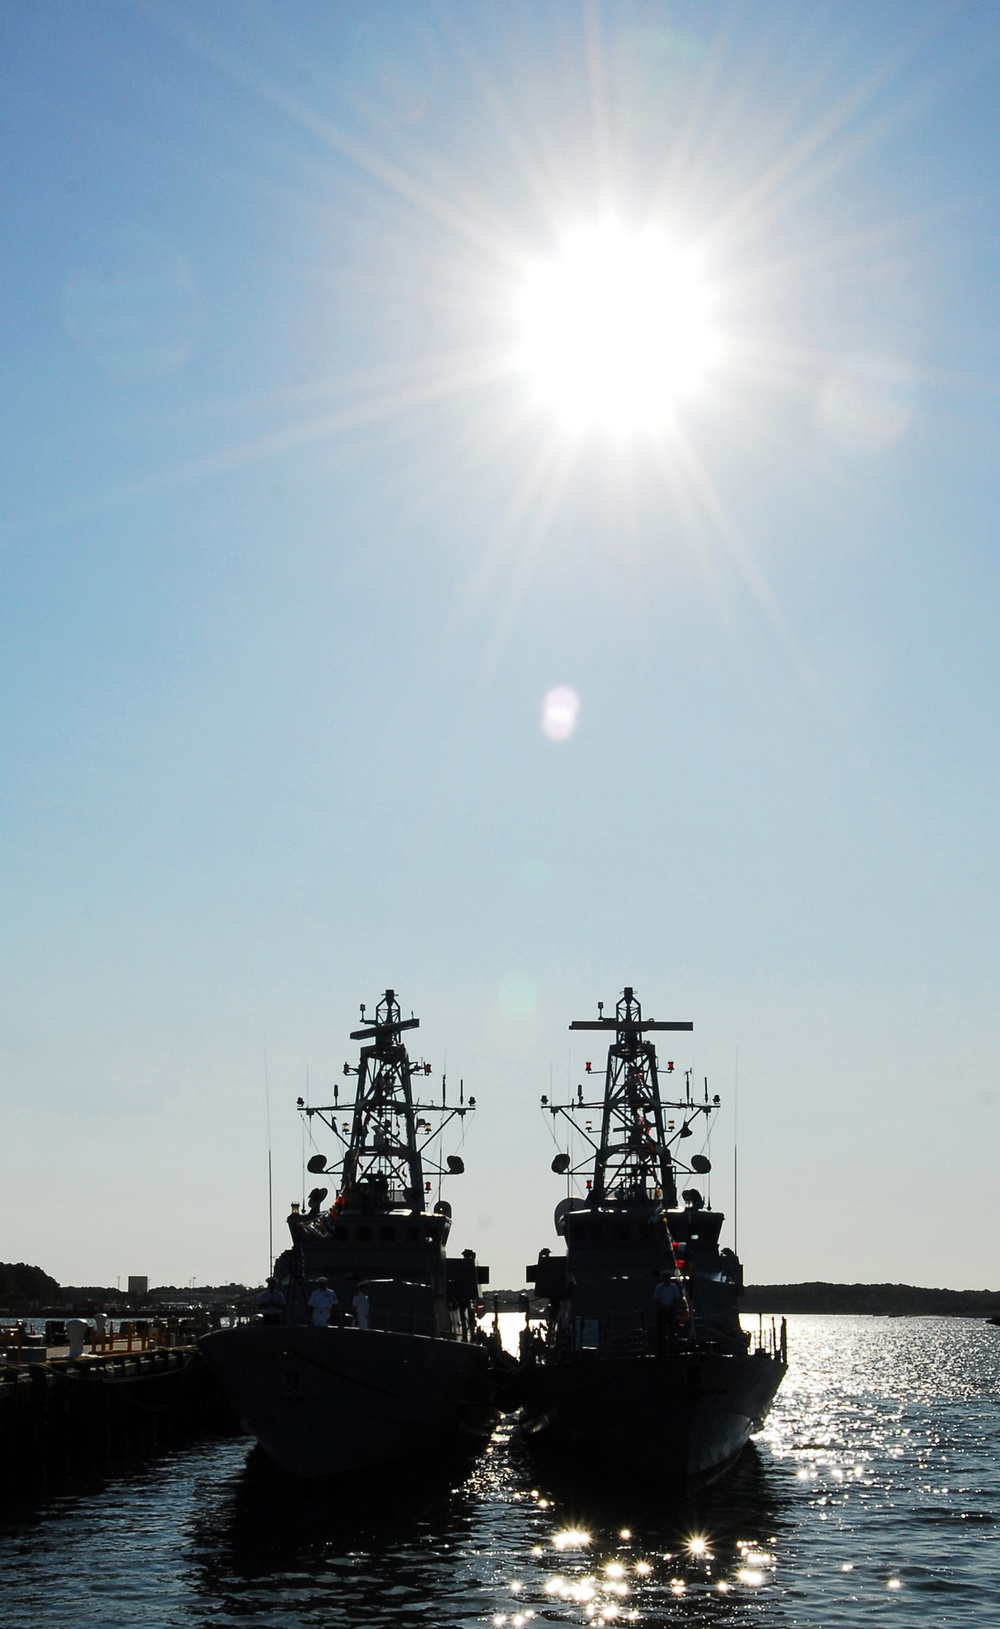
304	1118
270	1183
736	1156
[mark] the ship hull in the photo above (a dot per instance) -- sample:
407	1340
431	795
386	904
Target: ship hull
680	1420
324	1401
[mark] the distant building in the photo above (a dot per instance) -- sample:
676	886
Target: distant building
138	1286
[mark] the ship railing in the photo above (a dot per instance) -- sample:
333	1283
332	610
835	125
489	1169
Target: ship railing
639	1333
616	1334
773	1341
626	1343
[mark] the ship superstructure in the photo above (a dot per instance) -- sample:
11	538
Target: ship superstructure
387	1224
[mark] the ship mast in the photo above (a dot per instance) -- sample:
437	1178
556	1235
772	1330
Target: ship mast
384	1161
633	1153
383	1153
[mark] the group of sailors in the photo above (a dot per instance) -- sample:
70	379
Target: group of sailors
669	1301
322	1303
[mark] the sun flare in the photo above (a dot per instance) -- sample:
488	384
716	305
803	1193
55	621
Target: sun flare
615	329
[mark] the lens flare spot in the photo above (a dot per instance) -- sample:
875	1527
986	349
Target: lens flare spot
517	996
560	712
867	402
133	307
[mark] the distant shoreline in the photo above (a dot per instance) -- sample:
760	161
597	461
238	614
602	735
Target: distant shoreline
885	1300
873	1300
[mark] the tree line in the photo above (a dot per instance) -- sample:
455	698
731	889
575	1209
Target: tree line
873	1299
22	1286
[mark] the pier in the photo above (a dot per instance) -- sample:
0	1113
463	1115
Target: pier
65	1420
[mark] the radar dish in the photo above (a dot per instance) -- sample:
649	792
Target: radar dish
701	1163
317	1165
456	1165
560	1164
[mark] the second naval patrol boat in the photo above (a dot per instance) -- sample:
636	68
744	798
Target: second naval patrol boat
400	1367
640	1362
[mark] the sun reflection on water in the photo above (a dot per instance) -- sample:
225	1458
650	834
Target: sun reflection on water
847	1444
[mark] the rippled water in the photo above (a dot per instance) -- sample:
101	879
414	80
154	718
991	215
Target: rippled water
873	1494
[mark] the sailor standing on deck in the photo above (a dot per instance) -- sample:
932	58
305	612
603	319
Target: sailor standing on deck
360	1306
271	1303
321	1303
666	1300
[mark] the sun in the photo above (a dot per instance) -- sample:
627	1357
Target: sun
615	329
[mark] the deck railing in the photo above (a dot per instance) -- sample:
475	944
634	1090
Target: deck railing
640	1333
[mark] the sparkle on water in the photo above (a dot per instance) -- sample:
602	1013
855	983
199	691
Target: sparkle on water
894	1423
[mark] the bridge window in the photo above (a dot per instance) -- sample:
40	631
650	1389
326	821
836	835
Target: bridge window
387	1234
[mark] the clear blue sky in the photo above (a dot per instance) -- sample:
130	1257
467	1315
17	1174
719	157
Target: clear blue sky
291	556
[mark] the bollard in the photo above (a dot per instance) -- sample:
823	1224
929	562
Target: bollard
76	1334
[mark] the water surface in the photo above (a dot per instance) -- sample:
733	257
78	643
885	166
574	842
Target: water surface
872	1495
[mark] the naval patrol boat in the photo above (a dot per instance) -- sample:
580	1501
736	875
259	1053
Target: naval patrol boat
400	1368
639	1362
